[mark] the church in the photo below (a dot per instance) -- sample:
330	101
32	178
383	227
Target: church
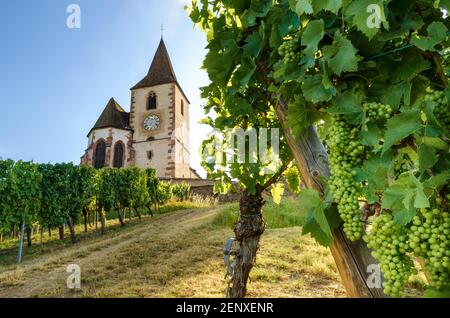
154	134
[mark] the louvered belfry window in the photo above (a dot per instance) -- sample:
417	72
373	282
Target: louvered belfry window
118	155
152	101
100	154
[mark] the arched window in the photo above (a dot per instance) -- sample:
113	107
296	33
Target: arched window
152	101
99	156
182	107
118	155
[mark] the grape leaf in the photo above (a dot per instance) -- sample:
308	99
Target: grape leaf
427	157
342	55
313	211
401	126
348	104
314	90
358	11
404	197
312	35
301	6
254	44
300	116
327	5
437	32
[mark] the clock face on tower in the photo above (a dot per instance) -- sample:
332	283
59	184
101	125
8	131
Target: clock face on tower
152	122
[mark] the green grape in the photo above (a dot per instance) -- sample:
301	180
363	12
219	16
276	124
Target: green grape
377	112
293	179
429	239
288	49
439	102
346	153
388	241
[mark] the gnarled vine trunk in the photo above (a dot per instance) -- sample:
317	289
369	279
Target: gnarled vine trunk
29	233
73	238
101	216
352	259
61	232
247	233
85	215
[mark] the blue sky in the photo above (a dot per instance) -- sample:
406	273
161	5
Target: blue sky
55	81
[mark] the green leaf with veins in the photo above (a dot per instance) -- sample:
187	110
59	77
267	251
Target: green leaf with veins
401	126
314	90
356	11
404	197
437	33
342	55
312	35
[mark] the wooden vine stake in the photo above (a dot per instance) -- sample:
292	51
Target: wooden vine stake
352	259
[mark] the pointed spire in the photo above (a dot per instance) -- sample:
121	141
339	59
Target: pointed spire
112	116
161	71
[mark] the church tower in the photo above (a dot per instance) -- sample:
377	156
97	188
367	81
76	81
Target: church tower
159	117
154	134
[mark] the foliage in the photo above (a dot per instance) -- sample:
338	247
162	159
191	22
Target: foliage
181	191
331	64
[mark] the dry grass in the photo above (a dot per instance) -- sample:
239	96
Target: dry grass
178	254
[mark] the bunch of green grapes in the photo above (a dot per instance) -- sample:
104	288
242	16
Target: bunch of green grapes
377	112
389	242
293	180
346	153
288	49
429	239
439	100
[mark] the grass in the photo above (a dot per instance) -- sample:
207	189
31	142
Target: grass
46	244
178	253
276	216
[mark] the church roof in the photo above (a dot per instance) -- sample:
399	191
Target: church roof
113	116
161	71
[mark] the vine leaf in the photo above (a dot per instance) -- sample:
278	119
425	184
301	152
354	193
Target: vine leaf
312	35
327	5
404	197
314	90
313	212
301	6
358	10
400	127
342	55
437	32
348	104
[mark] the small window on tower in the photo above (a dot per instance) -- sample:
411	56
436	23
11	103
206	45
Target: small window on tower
182	107
150	155
152	101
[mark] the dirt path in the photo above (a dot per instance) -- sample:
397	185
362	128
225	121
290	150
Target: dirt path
48	274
